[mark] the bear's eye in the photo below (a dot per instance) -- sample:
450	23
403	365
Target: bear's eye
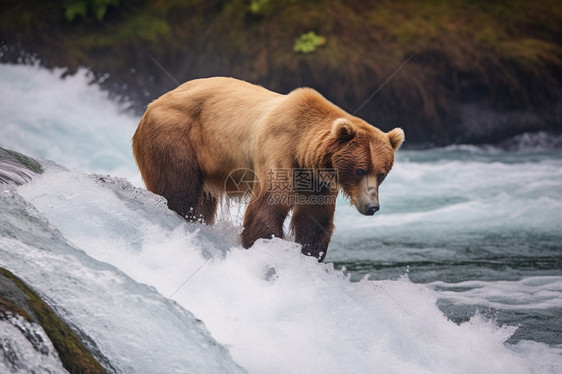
380	178
361	172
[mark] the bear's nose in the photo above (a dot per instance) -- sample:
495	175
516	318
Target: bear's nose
371	208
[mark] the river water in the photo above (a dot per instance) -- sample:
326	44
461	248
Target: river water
460	271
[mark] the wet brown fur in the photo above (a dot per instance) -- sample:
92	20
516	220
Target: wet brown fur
190	140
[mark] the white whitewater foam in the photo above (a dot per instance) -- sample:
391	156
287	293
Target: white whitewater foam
528	293
115	315
69	120
276	310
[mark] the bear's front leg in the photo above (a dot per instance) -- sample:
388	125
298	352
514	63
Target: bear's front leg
263	219
313	225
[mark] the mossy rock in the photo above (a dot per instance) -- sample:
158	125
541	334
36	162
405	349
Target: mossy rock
16	298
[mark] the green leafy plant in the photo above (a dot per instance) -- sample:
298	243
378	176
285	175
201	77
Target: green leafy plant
256	6
82	8
308	42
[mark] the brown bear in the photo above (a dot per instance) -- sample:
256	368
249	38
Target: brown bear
298	150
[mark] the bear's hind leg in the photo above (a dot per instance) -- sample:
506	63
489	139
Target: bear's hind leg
173	172
184	199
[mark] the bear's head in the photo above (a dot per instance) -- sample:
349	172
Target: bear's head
363	156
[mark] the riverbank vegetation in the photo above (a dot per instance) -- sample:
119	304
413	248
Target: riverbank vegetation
500	57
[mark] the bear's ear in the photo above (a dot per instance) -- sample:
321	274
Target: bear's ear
396	137
342	130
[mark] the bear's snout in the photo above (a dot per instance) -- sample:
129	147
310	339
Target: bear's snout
371	208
